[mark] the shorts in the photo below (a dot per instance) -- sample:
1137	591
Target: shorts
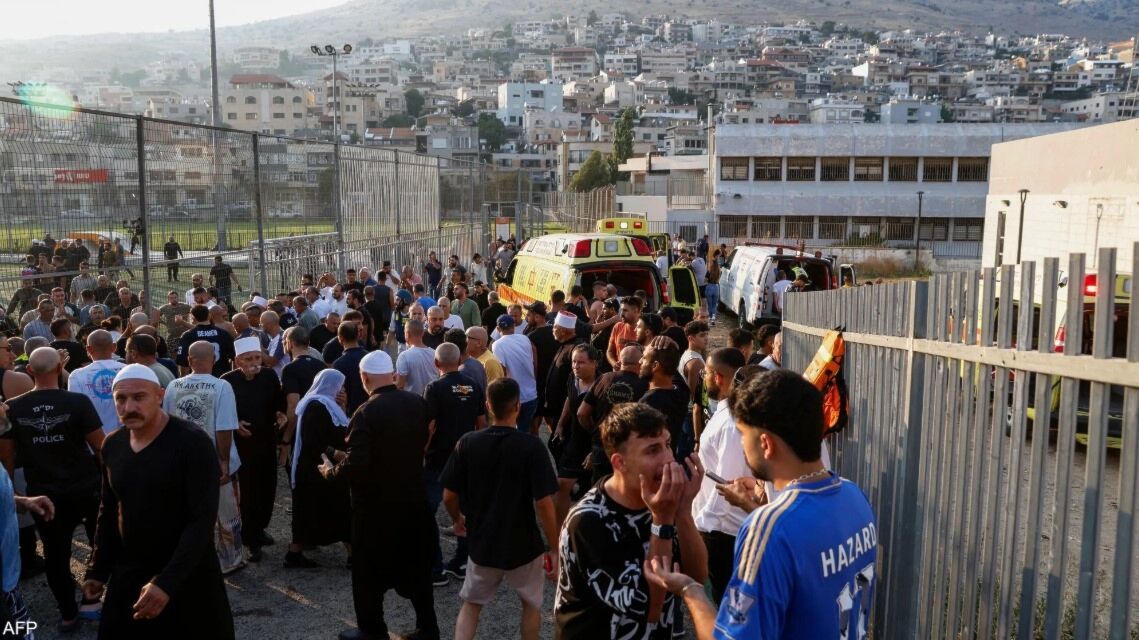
528	581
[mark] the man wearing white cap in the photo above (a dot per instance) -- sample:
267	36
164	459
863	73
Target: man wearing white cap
561	367
57	436
154	543
260	412
384	465
208	403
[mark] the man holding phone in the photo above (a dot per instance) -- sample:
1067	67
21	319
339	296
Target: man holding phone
723	458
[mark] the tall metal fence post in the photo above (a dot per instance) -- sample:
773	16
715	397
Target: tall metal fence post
264	280
395	190
339	211
140	141
901	604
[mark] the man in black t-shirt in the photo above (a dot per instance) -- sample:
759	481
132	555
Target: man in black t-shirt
172	251
658	366
204	330
56	435
610	390
296	380
455	406
221	276
643	510
671	328
496	482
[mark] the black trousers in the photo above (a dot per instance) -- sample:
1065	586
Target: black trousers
70	511
172	272
721	550
258	480
392	553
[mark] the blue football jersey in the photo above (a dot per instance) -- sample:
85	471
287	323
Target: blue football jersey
804	567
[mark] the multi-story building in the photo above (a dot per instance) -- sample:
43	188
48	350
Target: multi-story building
627	62
265	103
823	184
1109	106
515	97
176	107
255	57
837	110
374	71
446	137
909	111
571	63
573	153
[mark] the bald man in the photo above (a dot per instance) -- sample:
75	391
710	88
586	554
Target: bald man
57	436
611	389
94	380
208	403
154	546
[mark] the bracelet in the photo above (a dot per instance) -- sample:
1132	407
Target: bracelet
689	586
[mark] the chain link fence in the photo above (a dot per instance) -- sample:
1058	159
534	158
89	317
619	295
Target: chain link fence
96	200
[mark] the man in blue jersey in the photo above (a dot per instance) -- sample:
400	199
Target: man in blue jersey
804	563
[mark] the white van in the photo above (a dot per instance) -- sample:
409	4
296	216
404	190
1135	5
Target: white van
750	272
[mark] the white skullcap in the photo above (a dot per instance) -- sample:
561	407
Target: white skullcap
243	346
377	363
135	372
261	302
565	320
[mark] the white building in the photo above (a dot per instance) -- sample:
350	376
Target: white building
627	62
515	97
1109	106
908	111
837	110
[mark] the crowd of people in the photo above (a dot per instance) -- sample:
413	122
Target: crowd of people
580	439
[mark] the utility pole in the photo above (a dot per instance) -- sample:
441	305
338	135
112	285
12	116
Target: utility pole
218	182
917	244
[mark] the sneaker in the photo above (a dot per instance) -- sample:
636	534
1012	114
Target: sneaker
458	573
299	561
439	579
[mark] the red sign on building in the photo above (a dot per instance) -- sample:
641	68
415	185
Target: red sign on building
80	176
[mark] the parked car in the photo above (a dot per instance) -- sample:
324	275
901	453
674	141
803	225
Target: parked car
749	274
285	212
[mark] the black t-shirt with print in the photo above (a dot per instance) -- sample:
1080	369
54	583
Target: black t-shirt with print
602	551
50	427
454	402
612	389
223	346
673	403
499	473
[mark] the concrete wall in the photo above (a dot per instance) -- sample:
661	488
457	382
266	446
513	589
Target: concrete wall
1083	194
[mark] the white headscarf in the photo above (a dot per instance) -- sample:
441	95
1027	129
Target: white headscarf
324	389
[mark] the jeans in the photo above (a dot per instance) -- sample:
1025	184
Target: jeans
434	499
712	295
526	415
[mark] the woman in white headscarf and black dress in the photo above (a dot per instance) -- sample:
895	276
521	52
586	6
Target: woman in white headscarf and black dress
322	510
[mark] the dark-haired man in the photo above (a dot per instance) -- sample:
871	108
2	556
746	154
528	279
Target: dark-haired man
203	329
641	511
614	388
658	366
624	332
765	343
504	483
816	539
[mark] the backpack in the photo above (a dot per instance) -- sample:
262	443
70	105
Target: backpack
825	372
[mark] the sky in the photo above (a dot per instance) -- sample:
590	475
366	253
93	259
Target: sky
24	20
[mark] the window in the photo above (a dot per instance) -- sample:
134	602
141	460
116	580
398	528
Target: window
296	99
832	228
230	100
972	169
800	169
935	229
278	100
937	170
298	115
733	226
231	116
799	227
251	116
250	100
765	227
192	175
733	168
968	229
899	229
278	116
835	169
903	169
769	169
868	169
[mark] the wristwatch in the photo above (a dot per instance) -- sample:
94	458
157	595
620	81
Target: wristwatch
664	531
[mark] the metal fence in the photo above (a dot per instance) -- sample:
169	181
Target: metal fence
97	181
1003	511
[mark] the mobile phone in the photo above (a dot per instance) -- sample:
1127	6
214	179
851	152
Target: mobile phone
715	478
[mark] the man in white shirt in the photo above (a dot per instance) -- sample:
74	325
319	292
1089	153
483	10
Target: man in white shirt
722	454
450	320
515	311
208	402
782	284
196	282
519	360
662	264
94	380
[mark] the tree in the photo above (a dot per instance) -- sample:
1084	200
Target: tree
622	144
492	130
354	138
397	120
592	174
414	101
947	114
680	96
592	19
464	109
828	28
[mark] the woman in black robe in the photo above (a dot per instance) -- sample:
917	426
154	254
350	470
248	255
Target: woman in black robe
322	511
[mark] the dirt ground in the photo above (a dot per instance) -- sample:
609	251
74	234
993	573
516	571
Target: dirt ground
269	601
